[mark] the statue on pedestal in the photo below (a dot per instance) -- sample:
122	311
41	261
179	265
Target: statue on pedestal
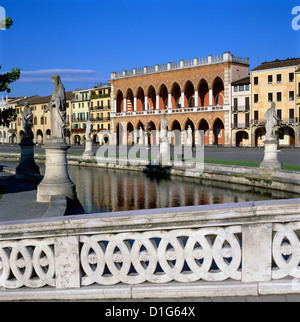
27	117
88	131
57	109
271	121
164	128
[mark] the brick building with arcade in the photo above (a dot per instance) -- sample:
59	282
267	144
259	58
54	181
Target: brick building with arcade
192	93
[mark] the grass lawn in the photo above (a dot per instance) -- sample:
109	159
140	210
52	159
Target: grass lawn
289	167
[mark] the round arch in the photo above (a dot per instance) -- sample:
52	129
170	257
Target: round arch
151	94
175	136
203	126
218	91
129	100
203	93
140	99
189	94
120	99
176	95
218	131
241	138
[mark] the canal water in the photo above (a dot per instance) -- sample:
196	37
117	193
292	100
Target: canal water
106	190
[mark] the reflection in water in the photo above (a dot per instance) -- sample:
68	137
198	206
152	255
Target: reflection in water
105	190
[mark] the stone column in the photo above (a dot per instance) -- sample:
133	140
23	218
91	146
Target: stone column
210	97
27	165
169	100
182	100
196	98
124	105
88	153
157	102
270	163
56	181
134	104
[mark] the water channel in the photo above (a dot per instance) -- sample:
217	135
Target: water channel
106	190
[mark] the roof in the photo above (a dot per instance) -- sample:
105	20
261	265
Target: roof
242	81
278	64
42	100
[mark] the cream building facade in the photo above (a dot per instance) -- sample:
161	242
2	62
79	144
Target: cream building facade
41	127
275	82
240	112
100	113
80	115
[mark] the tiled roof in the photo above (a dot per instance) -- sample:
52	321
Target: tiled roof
242	81
278	64
43	100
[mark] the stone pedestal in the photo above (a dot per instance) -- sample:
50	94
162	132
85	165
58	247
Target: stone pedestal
270	162
88	149
56	181
27	165
164	152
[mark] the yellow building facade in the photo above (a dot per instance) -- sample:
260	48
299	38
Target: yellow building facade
275	82
100	112
80	115
41	127
298	95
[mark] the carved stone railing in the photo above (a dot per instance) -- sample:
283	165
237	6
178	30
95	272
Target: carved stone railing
246	247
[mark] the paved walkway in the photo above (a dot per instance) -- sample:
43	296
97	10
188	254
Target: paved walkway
18	200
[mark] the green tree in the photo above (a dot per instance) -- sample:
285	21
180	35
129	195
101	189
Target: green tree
6	116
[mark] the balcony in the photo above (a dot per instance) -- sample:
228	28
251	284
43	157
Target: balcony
100	119
100	108
240	125
173	111
240	109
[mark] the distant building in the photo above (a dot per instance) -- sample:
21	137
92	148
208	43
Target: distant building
80	114
100	112
275	81
41	127
240	112
193	93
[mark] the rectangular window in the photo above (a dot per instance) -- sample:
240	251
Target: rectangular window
255	81
278	79
291	116
247	103
279	114
235	120
291	96
236	88
255	98
291	77
270	97
235	104
278	97
242	88
255	117
270	79
247	87
247	119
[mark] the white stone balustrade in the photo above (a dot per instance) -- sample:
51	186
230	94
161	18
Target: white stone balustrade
250	243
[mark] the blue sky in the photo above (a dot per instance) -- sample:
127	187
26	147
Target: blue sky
84	41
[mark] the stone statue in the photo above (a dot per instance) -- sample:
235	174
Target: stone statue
271	119
88	131
57	109
27	117
164	127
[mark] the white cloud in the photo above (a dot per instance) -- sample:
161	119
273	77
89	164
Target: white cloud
67	76
56	71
